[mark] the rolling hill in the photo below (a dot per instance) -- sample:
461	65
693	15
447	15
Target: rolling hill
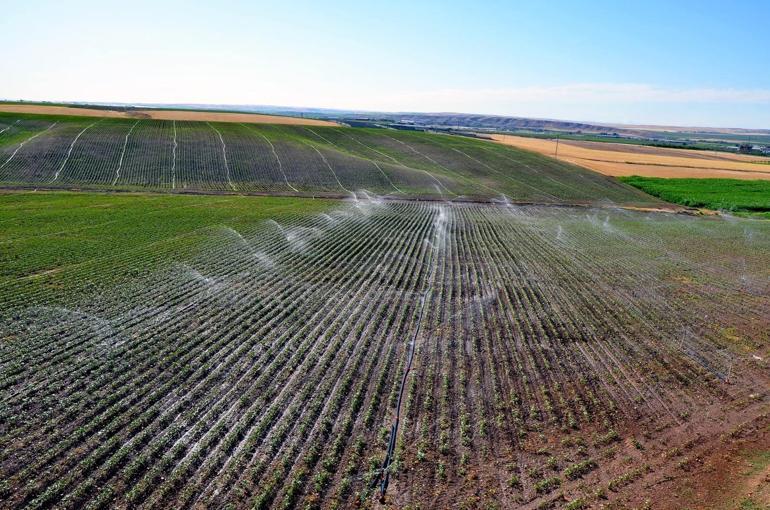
185	156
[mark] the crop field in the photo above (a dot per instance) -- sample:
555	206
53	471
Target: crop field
626	159
739	196
227	351
158	113
181	156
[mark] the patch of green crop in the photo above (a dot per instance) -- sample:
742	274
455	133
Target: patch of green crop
579	469
47	238
736	195
759	461
750	504
576	504
18	134
547	485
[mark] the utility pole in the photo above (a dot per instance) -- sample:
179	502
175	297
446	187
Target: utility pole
557	147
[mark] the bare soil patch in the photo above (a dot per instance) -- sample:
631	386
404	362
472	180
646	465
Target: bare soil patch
203	116
735	473
626	159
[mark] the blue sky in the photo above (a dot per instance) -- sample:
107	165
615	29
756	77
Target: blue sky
664	62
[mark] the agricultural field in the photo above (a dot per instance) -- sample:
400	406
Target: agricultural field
401	320
624	159
177	351
47	233
733	195
158	113
43	152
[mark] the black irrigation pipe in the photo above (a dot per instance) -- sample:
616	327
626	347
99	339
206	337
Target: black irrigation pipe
384	476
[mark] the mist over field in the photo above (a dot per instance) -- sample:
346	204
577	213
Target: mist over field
398	255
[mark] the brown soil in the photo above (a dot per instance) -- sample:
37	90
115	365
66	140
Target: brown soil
716	457
253	118
60	110
735	471
626	159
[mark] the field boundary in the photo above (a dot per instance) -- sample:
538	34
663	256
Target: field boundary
622	160
162	114
664	208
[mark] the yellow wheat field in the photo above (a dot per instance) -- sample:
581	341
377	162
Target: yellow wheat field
626	159
211	116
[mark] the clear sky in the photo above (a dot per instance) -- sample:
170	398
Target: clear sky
666	62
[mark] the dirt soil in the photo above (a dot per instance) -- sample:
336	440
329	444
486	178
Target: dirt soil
626	159
718	458
254	118
735	474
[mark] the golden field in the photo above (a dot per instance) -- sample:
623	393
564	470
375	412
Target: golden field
620	159
210	116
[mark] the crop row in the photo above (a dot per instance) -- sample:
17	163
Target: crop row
179	156
265	370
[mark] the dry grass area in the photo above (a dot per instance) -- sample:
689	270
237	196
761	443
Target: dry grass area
60	110
210	116
625	159
254	118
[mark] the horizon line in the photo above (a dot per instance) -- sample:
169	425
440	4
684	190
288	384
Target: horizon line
300	109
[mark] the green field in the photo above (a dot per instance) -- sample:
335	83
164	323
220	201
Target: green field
170	156
95	239
176	351
429	320
732	195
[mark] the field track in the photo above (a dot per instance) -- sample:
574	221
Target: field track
626	159
558	351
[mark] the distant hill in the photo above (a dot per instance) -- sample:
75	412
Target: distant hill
504	123
438	119
489	122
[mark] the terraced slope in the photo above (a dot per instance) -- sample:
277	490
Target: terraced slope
534	355
122	154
